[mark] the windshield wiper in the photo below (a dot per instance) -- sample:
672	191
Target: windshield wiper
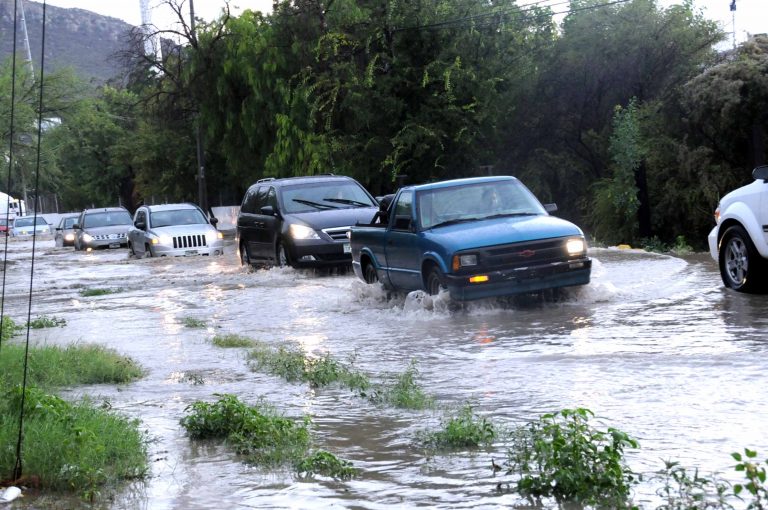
316	205
348	202
509	215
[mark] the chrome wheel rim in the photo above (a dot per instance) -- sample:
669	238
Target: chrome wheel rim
736	260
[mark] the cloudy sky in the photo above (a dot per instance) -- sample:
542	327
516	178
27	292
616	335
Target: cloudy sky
751	16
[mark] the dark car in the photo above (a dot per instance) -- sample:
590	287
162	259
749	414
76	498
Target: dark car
65	233
106	227
301	221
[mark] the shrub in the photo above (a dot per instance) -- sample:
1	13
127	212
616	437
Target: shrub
562	457
465	429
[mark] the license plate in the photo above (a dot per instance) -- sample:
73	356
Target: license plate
347	248
190	252
114	245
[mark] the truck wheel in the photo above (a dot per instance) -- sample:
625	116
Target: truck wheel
370	274
741	267
435	281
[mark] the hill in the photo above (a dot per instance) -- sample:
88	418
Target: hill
75	38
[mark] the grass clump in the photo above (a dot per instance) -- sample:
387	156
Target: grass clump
229	341
43	321
294	365
261	435
192	322
88	292
326	464
51	366
561	456
464	429
401	390
71	447
8	328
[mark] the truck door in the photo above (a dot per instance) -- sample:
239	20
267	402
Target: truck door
402	250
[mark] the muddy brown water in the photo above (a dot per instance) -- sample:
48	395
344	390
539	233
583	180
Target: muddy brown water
655	346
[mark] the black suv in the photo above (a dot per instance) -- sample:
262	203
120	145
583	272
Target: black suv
301	221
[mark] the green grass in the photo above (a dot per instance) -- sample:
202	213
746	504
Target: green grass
464	429
294	365
401	390
262	436
70	447
52	366
232	340
79	447
191	322
43	321
99	291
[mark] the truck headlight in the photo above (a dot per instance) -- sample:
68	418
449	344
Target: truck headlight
575	246
302	232
465	260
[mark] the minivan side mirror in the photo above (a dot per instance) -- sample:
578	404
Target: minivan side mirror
140	225
550	208
76	226
268	210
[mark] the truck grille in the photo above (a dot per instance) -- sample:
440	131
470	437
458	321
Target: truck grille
192	241
338	234
524	254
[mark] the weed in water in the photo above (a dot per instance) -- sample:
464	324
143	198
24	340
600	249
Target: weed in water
465	429
755	474
229	341
401	390
79	447
561	456
47	322
682	490
257	432
325	464
99	291
191	322
53	366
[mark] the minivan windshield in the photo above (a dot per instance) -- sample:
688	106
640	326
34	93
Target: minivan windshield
106	219
494	199
320	196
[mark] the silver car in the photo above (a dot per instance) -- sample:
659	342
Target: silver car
27	225
102	228
173	230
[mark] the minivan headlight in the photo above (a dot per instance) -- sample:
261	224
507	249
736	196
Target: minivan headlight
302	232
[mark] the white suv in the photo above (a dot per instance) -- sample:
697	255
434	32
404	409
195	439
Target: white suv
739	241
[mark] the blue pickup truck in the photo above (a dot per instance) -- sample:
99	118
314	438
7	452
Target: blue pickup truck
477	237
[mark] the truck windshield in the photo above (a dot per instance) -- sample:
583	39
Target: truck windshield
479	201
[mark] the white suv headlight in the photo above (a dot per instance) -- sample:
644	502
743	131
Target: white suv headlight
302	232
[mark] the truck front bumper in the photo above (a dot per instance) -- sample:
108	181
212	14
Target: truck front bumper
521	280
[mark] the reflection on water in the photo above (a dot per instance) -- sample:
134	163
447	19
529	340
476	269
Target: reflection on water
654	346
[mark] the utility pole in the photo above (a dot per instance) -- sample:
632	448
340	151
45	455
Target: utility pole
26	39
733	22
202	191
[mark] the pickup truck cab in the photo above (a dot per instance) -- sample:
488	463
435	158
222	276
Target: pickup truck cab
477	237
739	240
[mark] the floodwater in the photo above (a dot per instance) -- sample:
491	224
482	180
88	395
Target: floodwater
655	346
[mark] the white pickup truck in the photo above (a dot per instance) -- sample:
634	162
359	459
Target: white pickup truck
739	241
